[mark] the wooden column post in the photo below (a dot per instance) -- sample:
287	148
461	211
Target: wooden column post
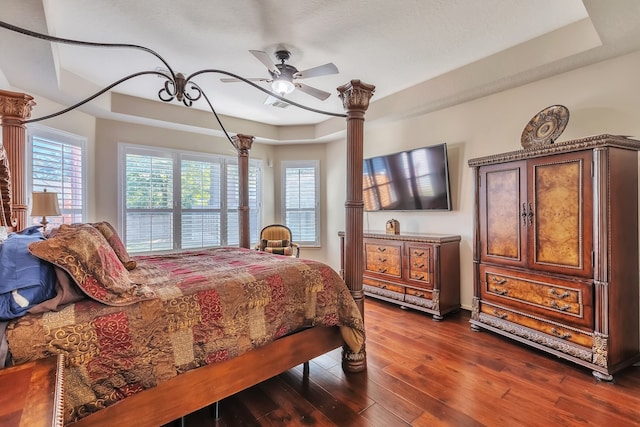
355	97
243	145
15	108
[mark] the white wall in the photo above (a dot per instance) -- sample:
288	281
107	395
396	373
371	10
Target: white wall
601	98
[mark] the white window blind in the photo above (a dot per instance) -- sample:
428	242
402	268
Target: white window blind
255	201
57	164
233	201
301	200
149	202
201	207
176	200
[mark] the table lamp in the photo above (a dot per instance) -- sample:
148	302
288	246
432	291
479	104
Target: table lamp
44	204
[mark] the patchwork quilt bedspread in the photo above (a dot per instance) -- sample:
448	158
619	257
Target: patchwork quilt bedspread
200	307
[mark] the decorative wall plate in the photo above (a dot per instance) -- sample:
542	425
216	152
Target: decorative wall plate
545	127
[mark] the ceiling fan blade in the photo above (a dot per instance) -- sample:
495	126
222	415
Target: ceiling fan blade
255	79
320	94
321	70
264	58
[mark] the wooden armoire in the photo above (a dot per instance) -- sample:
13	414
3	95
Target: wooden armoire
556	250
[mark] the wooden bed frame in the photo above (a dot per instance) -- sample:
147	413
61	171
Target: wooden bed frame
203	386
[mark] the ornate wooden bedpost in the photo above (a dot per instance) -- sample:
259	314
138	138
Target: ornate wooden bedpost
355	97
243	145
15	108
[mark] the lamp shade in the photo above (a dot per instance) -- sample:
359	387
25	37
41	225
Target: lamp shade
44	203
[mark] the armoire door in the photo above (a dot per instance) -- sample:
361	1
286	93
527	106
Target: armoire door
502	200
560	214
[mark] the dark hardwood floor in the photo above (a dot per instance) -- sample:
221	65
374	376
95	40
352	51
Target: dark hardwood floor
426	373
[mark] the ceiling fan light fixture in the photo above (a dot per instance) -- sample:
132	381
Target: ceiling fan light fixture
282	86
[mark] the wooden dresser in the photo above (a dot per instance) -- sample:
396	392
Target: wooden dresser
413	270
556	250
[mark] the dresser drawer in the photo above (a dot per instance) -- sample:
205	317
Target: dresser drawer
497	316
383	259
419	265
566	301
387	290
418	293
421	298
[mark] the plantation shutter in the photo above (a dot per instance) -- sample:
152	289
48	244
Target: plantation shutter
233	201
200	215
176	200
58	166
149	202
254	202
301	201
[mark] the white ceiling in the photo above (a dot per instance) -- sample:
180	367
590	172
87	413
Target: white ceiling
394	45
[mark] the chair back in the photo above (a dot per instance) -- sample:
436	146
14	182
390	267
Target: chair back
277	239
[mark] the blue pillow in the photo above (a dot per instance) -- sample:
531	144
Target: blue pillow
25	280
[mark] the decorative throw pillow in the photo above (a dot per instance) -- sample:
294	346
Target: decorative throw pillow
275	243
279	251
110	233
83	252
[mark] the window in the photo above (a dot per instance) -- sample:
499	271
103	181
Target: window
57	163
300	205
176	200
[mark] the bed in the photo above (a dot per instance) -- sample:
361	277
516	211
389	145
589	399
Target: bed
165	339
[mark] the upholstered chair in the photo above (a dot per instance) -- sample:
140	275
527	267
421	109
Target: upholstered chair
277	239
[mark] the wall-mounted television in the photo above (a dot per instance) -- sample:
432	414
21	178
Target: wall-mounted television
409	180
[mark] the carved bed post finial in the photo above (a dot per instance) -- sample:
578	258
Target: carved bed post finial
355	97
243	143
15	108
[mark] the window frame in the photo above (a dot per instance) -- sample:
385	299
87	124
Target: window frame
177	156
299	164
36	130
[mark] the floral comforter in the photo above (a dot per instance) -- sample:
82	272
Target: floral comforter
208	306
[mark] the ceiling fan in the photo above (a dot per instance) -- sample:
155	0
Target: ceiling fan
284	77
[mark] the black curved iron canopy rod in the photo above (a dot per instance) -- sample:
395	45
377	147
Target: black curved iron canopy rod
176	86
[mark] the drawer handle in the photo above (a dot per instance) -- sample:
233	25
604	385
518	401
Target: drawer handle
500	315
559	334
555	305
500	291
416	265
382	259
382	249
527	216
416	253
557	294
383	286
382	270
499	281
419	295
419	277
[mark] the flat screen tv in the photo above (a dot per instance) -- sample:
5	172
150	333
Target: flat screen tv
409	180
